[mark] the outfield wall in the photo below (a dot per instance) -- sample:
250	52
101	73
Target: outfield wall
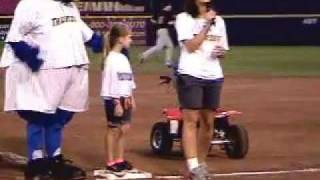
274	29
242	30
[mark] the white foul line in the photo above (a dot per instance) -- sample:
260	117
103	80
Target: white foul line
253	173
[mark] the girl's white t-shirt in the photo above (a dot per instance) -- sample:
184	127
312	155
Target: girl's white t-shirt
201	63
117	77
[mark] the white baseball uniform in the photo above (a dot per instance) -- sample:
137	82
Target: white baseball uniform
117	77
60	34
164	21
201	63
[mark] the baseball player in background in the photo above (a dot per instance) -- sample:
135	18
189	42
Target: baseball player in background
47	79
164	41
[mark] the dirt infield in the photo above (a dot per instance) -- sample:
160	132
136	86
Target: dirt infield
280	114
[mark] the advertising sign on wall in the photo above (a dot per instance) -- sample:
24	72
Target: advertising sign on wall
99	14
137	25
112	7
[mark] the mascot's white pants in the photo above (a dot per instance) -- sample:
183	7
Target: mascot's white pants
46	90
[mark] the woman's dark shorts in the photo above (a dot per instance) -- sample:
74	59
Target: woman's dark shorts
197	93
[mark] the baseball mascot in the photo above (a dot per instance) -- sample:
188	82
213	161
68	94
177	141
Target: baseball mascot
47	79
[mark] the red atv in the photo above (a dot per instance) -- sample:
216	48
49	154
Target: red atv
232	138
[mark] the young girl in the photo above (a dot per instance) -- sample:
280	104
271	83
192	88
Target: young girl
117	92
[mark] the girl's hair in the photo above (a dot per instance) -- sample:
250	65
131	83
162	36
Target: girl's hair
191	8
117	30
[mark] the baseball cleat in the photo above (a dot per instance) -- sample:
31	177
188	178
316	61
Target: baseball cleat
168	64
38	170
62	169
142	60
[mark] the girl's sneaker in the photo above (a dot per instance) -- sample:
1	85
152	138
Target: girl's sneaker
116	170
125	165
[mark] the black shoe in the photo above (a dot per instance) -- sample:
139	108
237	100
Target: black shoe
116	170
62	169
169	65
142	60
125	165
38	169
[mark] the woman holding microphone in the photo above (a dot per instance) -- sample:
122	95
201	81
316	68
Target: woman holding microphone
203	40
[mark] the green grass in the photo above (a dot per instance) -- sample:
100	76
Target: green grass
243	60
275	61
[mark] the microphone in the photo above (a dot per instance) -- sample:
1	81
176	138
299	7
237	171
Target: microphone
210	7
213	21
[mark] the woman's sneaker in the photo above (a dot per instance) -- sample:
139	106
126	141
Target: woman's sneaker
199	173
38	170
205	168
62	169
